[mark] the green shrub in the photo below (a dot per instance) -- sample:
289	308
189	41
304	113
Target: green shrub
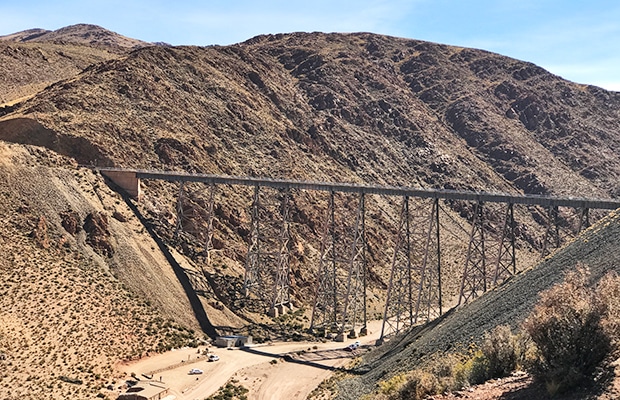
393	385
567	328
230	391
504	351
471	370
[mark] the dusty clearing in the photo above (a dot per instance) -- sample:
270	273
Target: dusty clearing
272	371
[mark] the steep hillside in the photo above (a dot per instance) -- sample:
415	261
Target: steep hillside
28	68
82	285
508	304
362	107
34	59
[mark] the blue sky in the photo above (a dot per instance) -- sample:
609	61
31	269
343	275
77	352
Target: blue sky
578	40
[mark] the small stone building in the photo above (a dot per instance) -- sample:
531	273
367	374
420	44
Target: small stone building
233	341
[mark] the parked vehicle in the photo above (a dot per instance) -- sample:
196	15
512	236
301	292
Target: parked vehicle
214	357
353	346
195	371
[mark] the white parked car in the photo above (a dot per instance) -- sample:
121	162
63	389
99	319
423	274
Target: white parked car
353	346
195	371
214	357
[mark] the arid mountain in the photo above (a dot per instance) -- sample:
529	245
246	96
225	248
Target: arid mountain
369	108
321	107
34	59
84	34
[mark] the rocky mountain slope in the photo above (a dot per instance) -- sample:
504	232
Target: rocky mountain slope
333	107
34	59
71	249
360	103
321	107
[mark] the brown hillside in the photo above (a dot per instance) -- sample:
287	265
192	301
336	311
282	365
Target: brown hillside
28	67
366	107
83	34
34	59
82	285
322	107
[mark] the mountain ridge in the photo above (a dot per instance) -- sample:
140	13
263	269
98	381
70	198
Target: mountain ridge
84	34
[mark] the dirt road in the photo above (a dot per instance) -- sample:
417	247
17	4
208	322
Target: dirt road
274	371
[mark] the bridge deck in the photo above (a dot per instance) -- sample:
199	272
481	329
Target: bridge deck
546	201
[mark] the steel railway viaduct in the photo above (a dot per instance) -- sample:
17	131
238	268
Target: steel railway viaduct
414	290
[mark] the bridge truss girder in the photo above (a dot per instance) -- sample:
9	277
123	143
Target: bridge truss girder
398	311
267	268
179	209
584	219
414	292
188	208
429	297
506	264
208	241
491	256
348	277
551	237
474	280
340	295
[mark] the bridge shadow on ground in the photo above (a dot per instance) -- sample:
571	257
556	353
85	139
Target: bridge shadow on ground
306	358
192	296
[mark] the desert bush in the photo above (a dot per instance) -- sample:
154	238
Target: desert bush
498	349
393	385
420	384
471	370
230	391
504	351
442	366
499	355
567	327
437	376
609	292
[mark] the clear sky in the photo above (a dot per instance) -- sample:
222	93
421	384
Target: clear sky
578	40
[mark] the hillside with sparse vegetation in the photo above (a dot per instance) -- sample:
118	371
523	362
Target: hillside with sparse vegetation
90	278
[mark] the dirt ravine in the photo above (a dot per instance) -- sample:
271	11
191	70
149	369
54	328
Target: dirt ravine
285	370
